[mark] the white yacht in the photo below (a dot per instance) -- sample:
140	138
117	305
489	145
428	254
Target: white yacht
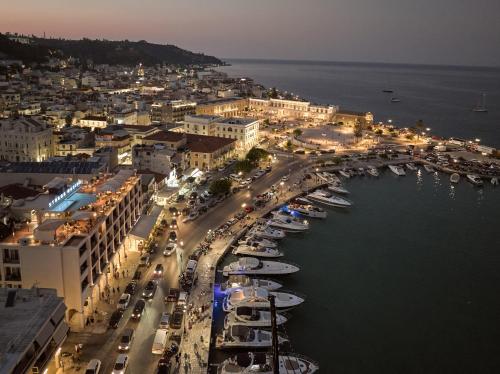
411	166
287	223
344	173
494	181
475	179
257	251
241	336
429	168
337	187
262	363
254	266
235	282
372	170
259	298
266	232
332	176
398	170
308	210
254	240
455	178
327	198
324	177
252	317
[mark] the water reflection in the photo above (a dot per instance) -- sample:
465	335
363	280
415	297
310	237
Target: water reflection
420	180
452	192
480	196
437	180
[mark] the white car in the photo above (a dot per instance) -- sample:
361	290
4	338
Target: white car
124	301
235	177
246	182
93	367
164	321
121	364
169	249
285	178
192	216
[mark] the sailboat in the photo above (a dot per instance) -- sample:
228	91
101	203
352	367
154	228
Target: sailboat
481	106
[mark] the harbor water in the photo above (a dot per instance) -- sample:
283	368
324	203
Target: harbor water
441	96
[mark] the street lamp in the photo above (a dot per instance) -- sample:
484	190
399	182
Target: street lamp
243	205
477	140
181	243
428	129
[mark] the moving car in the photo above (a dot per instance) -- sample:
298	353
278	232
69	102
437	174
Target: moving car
145	260
121	364
130	289
123	301
149	290
169	249
164	321
173	224
159	270
138	309
93	367
137	275
164	366
173	295
172	236
126	340
115	318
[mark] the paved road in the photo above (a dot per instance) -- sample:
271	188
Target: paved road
104	346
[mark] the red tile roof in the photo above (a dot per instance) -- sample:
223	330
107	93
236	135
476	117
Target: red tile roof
165	136
206	144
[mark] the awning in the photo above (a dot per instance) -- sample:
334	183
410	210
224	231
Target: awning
44	334
145	224
60	333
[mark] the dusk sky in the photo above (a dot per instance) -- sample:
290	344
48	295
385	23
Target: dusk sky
459	32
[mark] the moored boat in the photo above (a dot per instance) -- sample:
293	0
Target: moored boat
411	166
494	181
308	210
287	223
428	168
252	317
344	173
475	179
398	170
254	240
262	363
372	170
259	298
327	198
254	266
240	281
266	232
241	336
455	178
257	251
337	187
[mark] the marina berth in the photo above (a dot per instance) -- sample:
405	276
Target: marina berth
262	363
327	198
337	187
254	240
241	336
240	281
254	266
266	232
307	210
257	251
252	317
398	170
259	298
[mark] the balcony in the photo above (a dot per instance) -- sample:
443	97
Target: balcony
11	260
14	277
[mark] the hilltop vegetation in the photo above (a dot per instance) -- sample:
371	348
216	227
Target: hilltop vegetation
103	52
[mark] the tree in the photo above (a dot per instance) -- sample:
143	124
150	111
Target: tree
220	186
419	125
244	166
297	132
379	132
358	130
255	154
68	120
289	144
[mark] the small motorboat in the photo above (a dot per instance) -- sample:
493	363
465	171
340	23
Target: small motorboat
344	173
337	187
411	166
398	170
262	363
494	181
372	170
475	179
429	168
455	178
395	100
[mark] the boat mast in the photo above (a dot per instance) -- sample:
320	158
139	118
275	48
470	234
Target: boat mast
274	330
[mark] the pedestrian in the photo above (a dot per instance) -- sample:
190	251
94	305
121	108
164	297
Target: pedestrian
102	295
127	272
113	290
118	289
123	273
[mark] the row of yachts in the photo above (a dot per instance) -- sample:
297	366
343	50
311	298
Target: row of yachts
248	290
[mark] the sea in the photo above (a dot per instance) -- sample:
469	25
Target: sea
441	96
407	280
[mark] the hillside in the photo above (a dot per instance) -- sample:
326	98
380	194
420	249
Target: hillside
104	52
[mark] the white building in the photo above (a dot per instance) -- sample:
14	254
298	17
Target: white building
292	108
70	237
94	122
157	158
33	329
244	130
25	139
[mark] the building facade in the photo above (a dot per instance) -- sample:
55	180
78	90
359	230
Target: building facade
171	111
230	107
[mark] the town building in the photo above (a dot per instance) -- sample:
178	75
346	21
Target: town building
157	158
70	237
32	328
171	111
225	107
94	122
350	118
292	109
25	139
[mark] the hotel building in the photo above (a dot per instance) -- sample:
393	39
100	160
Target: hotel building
70	238
230	107
292	109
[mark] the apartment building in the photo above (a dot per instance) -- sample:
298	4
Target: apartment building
70	237
245	131
171	111
25	139
33	329
94	122
157	158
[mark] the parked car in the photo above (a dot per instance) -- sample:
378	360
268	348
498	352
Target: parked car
130	289
164	320
164	366
137	275
123	301
159	270
177	317
126	340
115	318
145	260
138	309
121	364
172	236
93	367
182	301
173	295
169	249
149	290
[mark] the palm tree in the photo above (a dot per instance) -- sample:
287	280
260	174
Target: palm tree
420	126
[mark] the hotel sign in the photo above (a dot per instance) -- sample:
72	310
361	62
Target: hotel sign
71	189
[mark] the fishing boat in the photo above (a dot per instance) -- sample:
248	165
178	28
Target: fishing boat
308	210
327	198
254	266
240	281
337	187
481	105
252	317
257	251
428	168
344	173
455	178
398	170
475	179
411	166
262	363
241	336
372	170
259	298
